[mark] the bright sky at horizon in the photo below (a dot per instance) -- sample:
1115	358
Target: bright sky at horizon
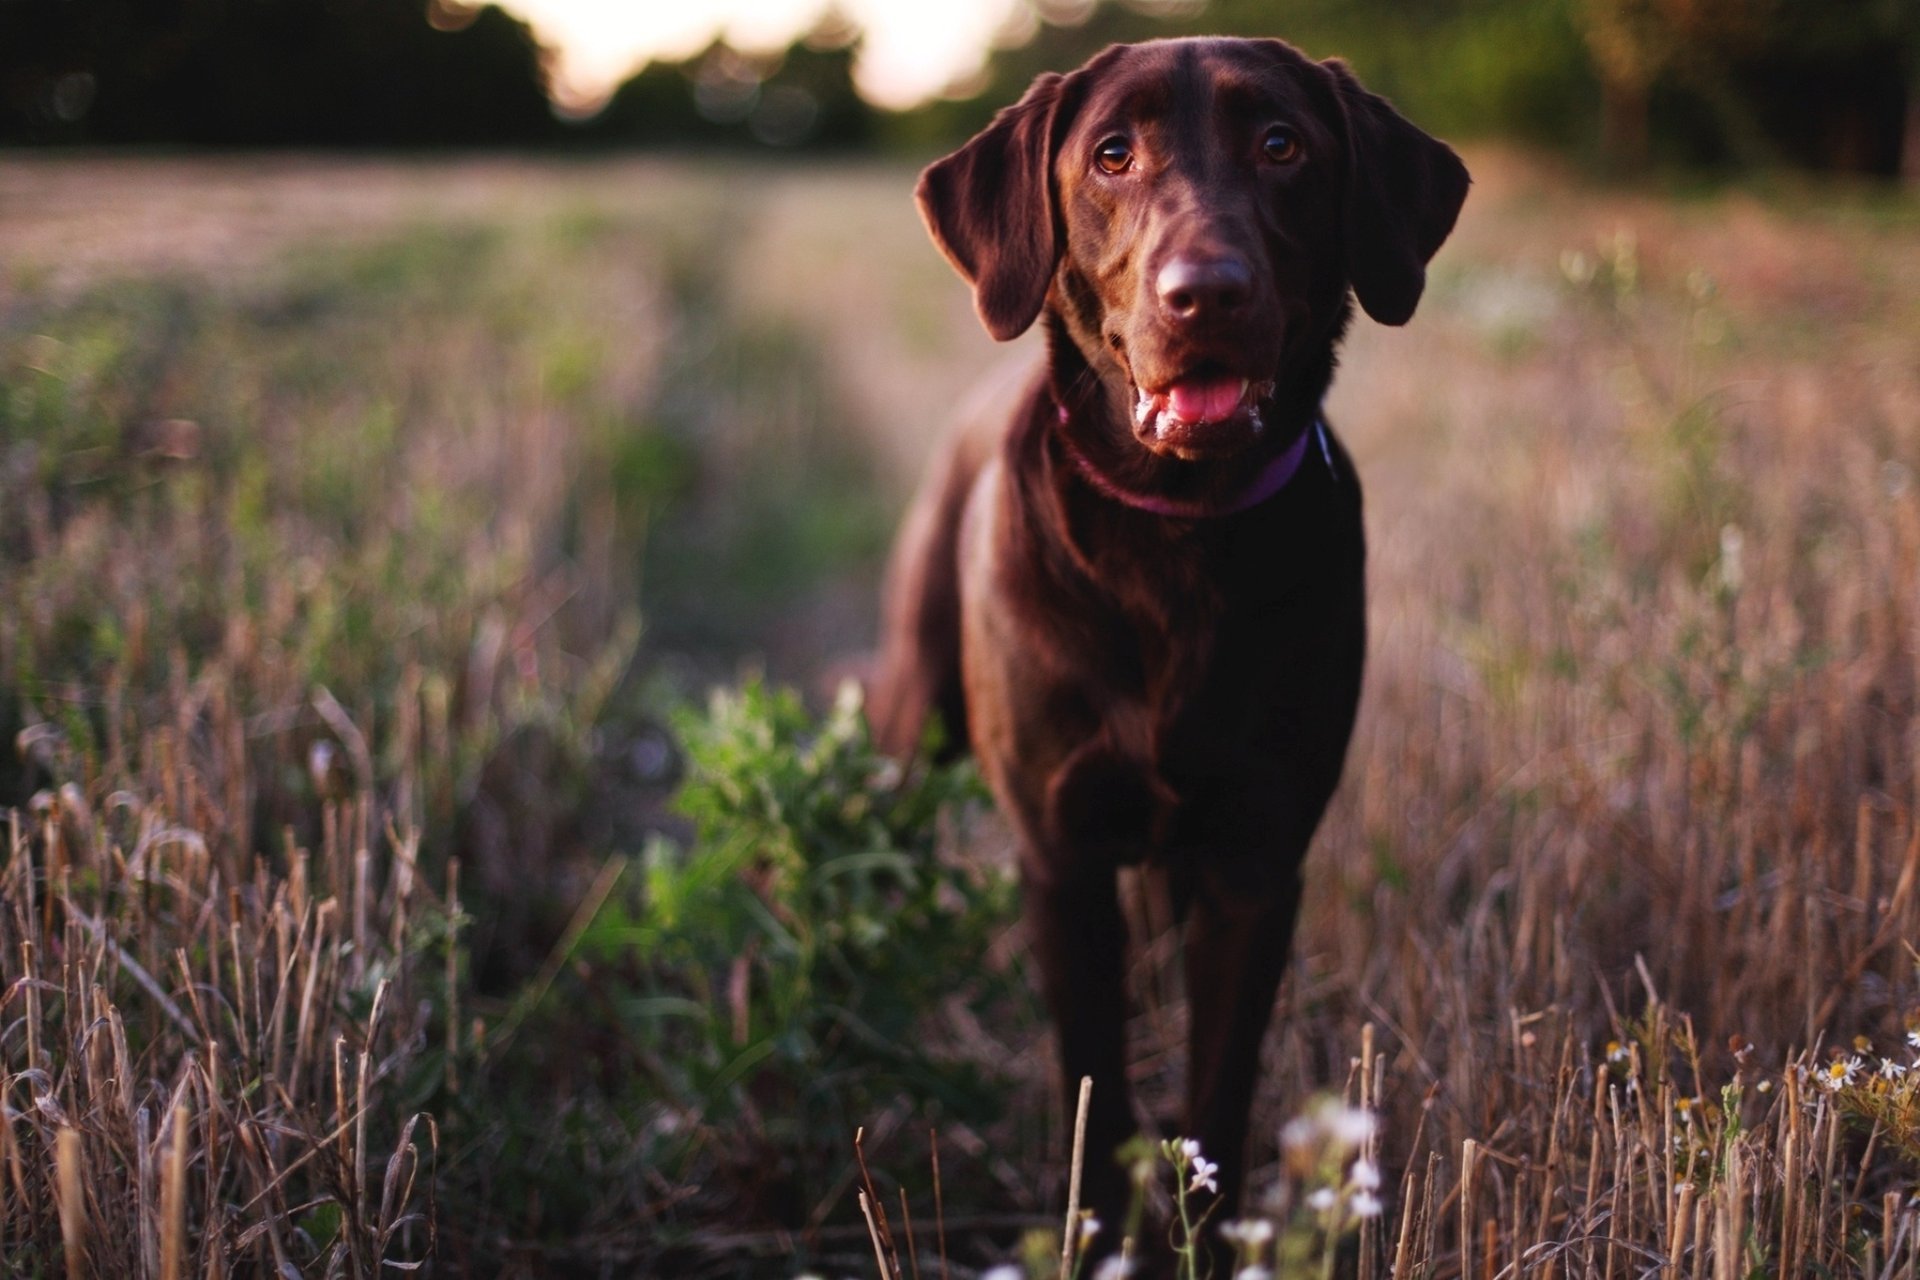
911	51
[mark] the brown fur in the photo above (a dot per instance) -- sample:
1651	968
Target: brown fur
1140	688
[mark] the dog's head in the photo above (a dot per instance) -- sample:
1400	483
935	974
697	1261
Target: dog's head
1194	212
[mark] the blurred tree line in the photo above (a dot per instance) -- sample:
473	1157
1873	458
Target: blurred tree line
721	97
1825	84
1831	84
269	73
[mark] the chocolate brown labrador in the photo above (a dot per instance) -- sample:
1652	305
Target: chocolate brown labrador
1138	594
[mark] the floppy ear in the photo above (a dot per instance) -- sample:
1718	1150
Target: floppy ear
990	208
1404	190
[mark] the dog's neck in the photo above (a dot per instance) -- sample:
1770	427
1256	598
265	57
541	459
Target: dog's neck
1264	484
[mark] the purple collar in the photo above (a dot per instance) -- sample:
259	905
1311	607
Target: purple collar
1272	479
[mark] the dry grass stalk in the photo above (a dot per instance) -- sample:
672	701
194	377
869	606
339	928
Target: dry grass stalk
906	1224
72	1194
873	1235
939	1199
1070	1232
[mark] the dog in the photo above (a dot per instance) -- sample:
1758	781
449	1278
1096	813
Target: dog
1137	591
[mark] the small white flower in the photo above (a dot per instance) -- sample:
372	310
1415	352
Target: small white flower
1253	1273
1891	1070
1251	1232
1364	1204
1765	1086
1913	1039
1350	1126
1189	1149
1114	1268
1323	1199
1003	1272
1089	1228
1298	1133
1365	1174
1840	1073
1203	1171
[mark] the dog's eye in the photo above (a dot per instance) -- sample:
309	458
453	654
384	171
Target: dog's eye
1281	145
1113	156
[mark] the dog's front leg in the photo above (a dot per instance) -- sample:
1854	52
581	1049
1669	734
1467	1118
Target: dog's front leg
1238	936
1079	940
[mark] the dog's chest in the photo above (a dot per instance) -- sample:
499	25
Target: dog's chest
1137	687
1190	693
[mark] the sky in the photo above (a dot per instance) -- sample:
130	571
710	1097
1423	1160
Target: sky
912	50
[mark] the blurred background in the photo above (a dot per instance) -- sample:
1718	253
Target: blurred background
1821	84
410	412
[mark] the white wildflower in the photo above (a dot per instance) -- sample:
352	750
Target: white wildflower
1323	1199
1251	1232
1365	1204
1298	1134
1840	1073
1005	1271
1089	1228
1189	1149
1203	1171
1253	1273
1328	1124
1891	1070
1114	1268
1350	1126
1365	1174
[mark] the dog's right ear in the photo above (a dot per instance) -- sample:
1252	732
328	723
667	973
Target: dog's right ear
990	208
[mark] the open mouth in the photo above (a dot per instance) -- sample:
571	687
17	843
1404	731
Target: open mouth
1200	414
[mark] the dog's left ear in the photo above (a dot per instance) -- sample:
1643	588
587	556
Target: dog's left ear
1404	190
990	208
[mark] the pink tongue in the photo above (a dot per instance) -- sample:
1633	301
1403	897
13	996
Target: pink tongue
1204	399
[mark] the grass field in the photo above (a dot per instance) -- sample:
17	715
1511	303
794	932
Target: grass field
371	532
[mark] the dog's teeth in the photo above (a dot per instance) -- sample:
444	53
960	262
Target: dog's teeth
1141	408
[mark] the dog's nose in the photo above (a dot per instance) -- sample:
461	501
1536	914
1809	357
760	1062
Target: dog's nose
1202	288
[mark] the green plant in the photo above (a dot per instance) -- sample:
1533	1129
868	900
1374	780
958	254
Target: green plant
803	960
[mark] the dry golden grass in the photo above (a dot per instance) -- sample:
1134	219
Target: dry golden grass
221	1119
1636	764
